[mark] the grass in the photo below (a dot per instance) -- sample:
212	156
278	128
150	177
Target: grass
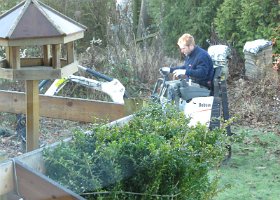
253	173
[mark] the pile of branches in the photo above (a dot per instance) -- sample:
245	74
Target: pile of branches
256	102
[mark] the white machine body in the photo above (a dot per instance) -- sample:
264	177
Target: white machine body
199	110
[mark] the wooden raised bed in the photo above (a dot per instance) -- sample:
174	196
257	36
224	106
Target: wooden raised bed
23	177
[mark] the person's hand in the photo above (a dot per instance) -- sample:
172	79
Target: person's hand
179	72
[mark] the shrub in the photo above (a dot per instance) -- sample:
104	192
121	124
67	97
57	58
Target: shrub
241	21
154	156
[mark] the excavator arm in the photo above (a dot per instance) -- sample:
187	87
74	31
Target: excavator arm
112	87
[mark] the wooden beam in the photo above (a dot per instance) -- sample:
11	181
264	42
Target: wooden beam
73	37
34	159
35	186
56	53
33	41
7	51
6	73
36	73
42	41
32	115
30	62
70	52
63	107
14	57
39	72
81	110
7	180
12	196
47	55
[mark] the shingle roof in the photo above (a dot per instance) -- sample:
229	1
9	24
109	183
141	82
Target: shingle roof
33	19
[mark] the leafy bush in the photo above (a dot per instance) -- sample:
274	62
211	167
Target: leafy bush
154	156
241	21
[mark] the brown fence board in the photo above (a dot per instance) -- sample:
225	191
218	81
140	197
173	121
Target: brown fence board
63	107
35	186
6	177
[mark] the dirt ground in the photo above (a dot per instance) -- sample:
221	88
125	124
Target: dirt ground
256	103
51	130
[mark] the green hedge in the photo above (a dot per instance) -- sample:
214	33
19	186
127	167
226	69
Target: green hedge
154	156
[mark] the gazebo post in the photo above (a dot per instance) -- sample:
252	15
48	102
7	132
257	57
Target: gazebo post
56	51
34	23
47	55
70	52
32	115
14	57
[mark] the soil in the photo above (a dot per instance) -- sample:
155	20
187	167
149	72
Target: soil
51	130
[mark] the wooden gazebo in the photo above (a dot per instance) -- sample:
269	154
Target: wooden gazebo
32	23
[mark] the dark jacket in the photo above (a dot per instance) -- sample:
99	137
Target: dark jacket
199	67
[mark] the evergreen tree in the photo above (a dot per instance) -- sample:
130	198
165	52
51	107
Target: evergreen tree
240	21
177	17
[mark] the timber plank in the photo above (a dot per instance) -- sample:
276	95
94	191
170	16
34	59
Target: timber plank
35	160
70	52
63	107
34	41
47	55
6	73
36	73
32	115
56	52
14	57
29	62
6	176
36	186
39	72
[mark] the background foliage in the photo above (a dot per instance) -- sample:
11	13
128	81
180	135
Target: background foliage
177	17
92	14
241	21
235	21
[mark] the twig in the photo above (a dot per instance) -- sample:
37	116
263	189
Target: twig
132	193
